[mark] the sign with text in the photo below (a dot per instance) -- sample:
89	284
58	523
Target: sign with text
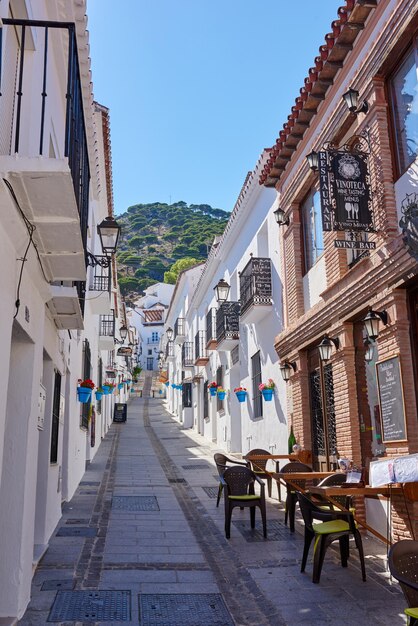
354	245
389	383
345	191
120	412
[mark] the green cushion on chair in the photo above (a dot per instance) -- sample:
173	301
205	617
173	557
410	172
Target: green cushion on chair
334	526
249	497
412	612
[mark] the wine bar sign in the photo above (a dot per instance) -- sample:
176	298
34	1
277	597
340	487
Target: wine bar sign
345	191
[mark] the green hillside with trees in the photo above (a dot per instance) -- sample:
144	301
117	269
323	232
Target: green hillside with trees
158	240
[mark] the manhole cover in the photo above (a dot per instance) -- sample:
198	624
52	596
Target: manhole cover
184	609
135	503
91	606
196	466
65	531
51	585
212	492
276	531
177	480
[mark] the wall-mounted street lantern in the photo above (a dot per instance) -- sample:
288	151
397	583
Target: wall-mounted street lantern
109	231
169	332
369	354
281	218
123	331
372	322
313	161
287	368
325	347
351	98
222	291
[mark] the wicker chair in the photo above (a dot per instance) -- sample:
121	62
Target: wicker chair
259	467
291	498
238	483
221	465
333	525
403	565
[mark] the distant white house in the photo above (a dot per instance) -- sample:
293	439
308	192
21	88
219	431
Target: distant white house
148	317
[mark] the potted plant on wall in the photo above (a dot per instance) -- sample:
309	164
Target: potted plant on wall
212	388
84	390
241	393
221	393
99	393
267	389
108	387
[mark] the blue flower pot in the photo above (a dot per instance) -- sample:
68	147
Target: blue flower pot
106	390
212	391
173	385
120	386
99	395
268	394
241	395
166	384
221	395
84	394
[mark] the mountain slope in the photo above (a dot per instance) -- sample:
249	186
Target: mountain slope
154	236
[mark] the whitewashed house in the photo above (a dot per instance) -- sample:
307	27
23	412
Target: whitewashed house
232	343
59	301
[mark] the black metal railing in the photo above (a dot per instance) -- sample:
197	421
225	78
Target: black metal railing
107	325
179	327
17	100
211	325
187	354
102	278
200	349
227	321
169	349
255	283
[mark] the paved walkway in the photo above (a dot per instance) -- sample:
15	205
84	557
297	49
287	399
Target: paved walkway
142	543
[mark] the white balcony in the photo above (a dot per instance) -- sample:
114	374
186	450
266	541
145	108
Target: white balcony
64	307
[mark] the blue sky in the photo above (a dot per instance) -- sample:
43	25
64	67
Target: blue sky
197	88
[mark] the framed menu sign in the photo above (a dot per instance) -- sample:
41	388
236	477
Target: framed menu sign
392	408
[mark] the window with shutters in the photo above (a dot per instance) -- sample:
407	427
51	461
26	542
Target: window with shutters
256	379
55	418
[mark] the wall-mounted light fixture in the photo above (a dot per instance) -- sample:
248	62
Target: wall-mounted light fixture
281	218
169	332
351	98
109	231
372	322
222	291
369	354
325	347
313	161
287	368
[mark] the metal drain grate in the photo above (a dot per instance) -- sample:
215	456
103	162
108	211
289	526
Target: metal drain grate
135	503
276	531
181	481
89	483
73	531
77	521
184	609
194	467
212	492
91	606
52	585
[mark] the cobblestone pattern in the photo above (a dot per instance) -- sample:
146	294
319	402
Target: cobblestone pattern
224	562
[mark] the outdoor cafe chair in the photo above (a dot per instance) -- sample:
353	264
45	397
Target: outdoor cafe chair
403	565
291	498
259	467
344	500
332	525
238	483
221	465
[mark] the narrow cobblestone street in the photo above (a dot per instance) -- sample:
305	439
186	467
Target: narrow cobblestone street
142	542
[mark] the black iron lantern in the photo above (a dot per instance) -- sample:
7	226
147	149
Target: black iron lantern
281	218
351	98
169	333
287	368
372	322
325	347
123	331
313	161
222	291
109	231
369	354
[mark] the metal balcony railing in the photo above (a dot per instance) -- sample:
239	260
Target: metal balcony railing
255	283
200	349
179	327
227	321
169	349
101	278
211	326
23	117
107	325
187	354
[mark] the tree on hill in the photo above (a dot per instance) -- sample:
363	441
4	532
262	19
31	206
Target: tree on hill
171	276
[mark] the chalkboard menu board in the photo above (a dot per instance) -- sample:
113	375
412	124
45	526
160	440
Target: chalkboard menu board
389	383
261	269
120	412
